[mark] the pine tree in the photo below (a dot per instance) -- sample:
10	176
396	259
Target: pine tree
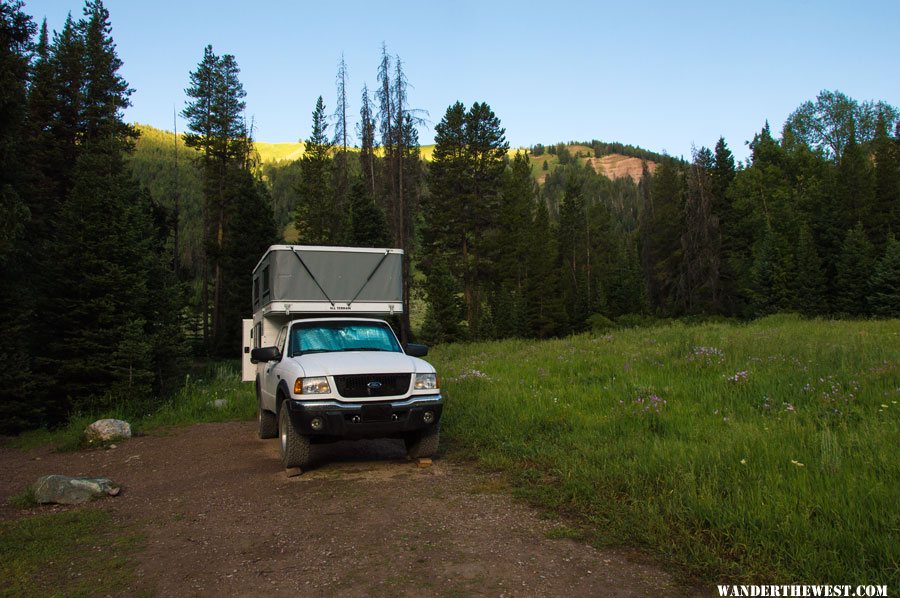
19	408
855	186
250	230
368	227
105	92
543	305
884	285
721	177
203	132
662	226
67	92
810	282
318	221
465	181
444	312
574	256
507	249
366	132
106	288
764	276
701	240
886	204
854	266
16	30
340	141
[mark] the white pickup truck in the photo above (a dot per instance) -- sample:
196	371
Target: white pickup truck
323	372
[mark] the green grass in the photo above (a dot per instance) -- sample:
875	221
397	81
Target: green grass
193	403
73	553
762	452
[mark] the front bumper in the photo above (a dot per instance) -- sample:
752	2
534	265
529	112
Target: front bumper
376	419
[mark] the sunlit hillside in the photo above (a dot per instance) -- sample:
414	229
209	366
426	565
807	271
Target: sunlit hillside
612	165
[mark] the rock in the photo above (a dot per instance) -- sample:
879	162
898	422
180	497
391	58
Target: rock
104	430
64	490
219	403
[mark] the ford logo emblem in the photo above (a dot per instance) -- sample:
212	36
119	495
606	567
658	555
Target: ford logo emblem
374	385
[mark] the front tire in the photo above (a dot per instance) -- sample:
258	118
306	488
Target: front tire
267	425
424	443
295	449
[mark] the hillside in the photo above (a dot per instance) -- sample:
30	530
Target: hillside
613	164
616	166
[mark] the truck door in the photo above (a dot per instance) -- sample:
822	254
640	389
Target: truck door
270	375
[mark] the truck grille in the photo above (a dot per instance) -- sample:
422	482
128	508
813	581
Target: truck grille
373	385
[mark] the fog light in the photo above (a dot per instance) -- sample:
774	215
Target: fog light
317	424
428	417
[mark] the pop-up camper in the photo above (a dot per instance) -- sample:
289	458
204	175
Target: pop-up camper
325	369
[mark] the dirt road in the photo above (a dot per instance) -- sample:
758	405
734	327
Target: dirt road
220	517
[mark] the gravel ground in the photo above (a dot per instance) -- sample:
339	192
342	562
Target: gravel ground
220	517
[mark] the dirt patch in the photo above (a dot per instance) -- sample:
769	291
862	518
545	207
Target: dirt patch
616	166
220	516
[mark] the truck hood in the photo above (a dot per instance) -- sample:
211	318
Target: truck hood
361	362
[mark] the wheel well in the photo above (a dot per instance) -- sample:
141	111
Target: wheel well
280	396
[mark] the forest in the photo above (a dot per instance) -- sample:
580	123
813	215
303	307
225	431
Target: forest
125	251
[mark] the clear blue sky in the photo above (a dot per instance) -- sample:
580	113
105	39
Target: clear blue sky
663	75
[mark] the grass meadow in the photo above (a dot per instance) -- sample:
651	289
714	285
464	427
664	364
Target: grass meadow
763	452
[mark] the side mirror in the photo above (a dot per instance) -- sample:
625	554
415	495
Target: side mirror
264	354
414	350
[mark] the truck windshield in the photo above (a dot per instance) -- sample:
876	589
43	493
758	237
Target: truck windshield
328	337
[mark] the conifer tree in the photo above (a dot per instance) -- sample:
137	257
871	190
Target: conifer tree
203	131
368	227
721	177
366	132
250	230
507	248
18	407
105	92
465	181
854	186
543	304
886	205
700	242
444	312
67	92
574	256
854	267
16	30
341	176
108	314
884	285
661	236
318	221
810	282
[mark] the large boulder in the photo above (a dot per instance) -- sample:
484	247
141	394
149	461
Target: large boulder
105	430
64	490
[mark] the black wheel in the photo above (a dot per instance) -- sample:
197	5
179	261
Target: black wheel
424	443
295	449
267	424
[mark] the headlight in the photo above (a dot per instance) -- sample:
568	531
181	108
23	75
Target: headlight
426	382
312	386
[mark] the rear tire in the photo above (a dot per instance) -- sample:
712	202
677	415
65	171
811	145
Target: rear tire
295	449
424	443
267	425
